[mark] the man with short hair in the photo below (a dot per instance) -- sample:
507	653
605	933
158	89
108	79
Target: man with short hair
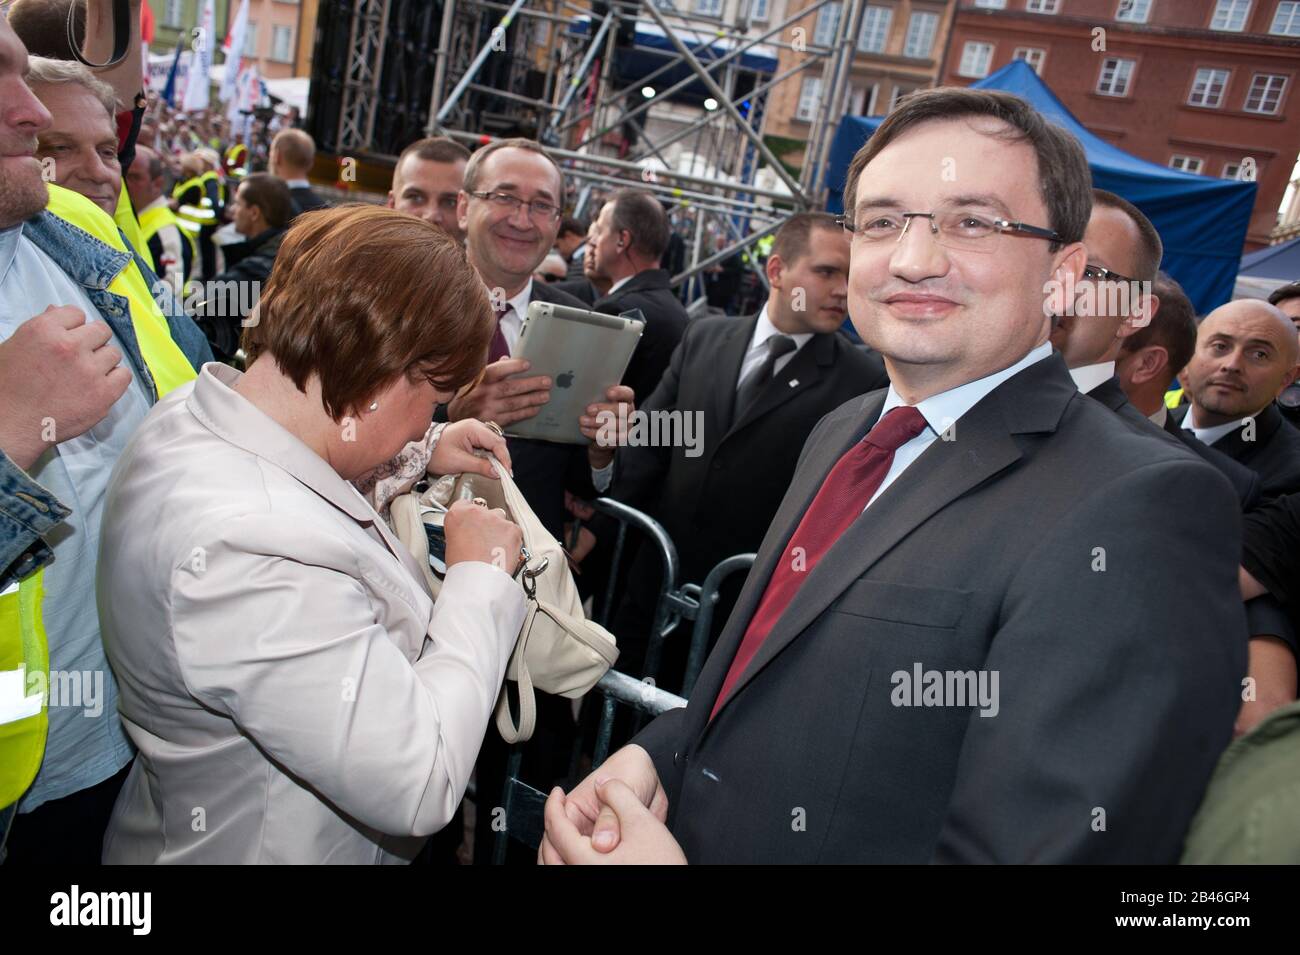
757	386
571	242
427	181
173	251
1246	353
1287	298
978	517
292	154
628	240
80	146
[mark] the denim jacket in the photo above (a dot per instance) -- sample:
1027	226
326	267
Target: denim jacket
27	510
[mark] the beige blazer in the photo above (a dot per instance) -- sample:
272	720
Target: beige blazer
295	693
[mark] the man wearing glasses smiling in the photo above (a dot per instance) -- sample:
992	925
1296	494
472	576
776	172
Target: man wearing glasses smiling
979	518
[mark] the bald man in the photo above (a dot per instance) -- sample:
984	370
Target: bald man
1246	353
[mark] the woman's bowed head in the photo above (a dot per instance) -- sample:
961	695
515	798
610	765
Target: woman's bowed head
347	356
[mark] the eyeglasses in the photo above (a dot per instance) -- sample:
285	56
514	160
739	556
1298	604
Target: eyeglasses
1097	273
954	229
537	209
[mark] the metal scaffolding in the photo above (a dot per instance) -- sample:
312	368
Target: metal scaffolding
559	72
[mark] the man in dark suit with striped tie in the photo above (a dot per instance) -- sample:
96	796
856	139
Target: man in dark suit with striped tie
990	621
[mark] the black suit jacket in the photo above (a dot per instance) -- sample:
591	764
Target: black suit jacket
580	288
665	322
1118	687
1244	481
1273	453
305	199
716	499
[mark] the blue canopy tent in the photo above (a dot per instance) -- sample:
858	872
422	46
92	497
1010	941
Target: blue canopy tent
1202	221
1281	261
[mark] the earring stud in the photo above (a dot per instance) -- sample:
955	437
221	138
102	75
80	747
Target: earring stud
374	406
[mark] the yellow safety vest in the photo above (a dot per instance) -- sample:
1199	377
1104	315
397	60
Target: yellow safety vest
193	217
124	216
1173	398
23	643
23	649
152	220
166	362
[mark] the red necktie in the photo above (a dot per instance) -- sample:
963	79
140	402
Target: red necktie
842	498
499	348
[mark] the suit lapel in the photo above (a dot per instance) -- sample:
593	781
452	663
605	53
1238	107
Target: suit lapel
730	356
799	374
1266	424
1033	400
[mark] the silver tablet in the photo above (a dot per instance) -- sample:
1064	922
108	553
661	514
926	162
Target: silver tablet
583	353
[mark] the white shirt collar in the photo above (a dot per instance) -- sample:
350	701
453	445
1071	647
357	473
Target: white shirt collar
942	410
520	302
1161	416
297	183
621	282
1210	435
1088	377
764	329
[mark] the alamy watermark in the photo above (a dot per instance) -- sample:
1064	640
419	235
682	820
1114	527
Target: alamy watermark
652	429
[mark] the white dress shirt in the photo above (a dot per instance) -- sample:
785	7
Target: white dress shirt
1088	377
619	284
1210	435
512	320
763	330
1160	417
943	410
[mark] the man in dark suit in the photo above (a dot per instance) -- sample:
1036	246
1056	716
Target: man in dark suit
756	386
292	154
571	242
1245	355
942	652
627	240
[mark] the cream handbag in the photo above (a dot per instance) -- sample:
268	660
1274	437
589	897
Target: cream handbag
559	650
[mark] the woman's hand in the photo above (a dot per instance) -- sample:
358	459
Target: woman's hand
457	444
476	533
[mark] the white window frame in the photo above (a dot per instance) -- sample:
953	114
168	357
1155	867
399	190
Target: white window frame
1139	11
1268	78
1205	100
1226	12
968	54
1287	17
874	15
1231	170
1118	74
1186	163
1048	7
828	25
708	8
279	30
1037	67
760	10
810	95
991	4
915	32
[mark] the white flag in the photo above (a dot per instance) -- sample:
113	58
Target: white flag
234	50
197	89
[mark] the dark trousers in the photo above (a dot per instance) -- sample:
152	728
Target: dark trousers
68	830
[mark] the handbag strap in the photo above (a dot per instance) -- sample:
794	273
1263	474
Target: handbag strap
510	732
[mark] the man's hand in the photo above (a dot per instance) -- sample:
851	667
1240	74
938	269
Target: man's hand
59	376
1273	667
646	840
591	817
500	398
457	445
606	424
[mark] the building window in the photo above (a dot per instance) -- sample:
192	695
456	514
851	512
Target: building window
172	11
1116	74
250	40
1207	88
1265	94
1286	21
1032	55
810	95
828	24
975	59
1186	163
709	8
1230	15
920	35
1231	170
991	4
1042	6
1133	11
875	29
282	44
760	10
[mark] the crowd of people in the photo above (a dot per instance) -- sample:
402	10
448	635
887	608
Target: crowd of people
1025	553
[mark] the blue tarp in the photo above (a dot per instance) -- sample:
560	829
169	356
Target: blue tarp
1202	221
1281	261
